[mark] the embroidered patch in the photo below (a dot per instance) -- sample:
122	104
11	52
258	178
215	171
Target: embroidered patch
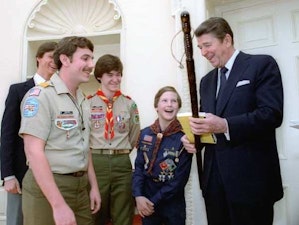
144	148
34	91
98	124
136	119
66	124
120	123
66	113
163	165
97	116
170	165
97	109
30	107
148	138
134	106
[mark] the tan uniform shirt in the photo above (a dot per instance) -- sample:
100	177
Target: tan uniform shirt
126	124
53	115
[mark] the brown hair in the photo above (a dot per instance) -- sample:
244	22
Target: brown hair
106	64
44	48
162	91
217	26
68	46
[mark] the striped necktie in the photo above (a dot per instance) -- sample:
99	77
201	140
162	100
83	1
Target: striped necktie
223	71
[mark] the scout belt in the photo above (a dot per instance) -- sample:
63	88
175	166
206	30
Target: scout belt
110	151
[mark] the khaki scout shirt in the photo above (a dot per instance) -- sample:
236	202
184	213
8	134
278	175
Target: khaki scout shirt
50	114
126	123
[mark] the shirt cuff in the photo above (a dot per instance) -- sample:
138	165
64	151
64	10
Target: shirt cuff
226	134
9	177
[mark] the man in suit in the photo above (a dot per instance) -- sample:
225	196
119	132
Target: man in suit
241	178
13	160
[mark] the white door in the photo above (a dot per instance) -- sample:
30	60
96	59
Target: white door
272	27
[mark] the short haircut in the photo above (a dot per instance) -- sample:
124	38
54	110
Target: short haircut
44	48
217	26
68	46
162	91
106	64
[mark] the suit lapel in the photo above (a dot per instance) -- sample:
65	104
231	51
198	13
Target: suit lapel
237	70
213	91
210	88
29	83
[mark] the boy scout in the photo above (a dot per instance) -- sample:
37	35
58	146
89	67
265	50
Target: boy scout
162	165
55	129
114	132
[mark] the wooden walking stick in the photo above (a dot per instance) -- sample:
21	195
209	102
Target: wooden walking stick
186	27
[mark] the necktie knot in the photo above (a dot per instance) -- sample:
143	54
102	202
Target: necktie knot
223	71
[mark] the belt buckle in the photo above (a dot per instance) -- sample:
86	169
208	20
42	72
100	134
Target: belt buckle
111	152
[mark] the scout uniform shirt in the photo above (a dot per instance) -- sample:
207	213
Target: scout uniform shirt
170	171
126	123
50	113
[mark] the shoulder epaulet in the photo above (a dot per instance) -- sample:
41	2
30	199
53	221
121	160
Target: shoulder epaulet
128	97
44	84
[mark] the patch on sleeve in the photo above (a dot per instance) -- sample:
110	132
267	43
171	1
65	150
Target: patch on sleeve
34	91
30	107
134	106
136	119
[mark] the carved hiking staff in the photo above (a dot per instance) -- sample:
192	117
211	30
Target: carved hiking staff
185	18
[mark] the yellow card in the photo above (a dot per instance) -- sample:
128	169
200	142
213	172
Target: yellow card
204	138
184	120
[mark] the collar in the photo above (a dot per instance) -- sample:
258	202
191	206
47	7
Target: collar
38	79
230	63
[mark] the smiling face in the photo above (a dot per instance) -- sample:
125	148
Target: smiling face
110	82
215	40
215	50
79	66
46	65
167	108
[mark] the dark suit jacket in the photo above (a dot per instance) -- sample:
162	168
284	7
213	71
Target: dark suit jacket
13	160
252	103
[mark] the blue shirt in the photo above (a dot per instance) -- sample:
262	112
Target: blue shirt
170	171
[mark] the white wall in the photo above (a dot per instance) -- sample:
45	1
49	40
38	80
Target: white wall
12	20
148	64
149	28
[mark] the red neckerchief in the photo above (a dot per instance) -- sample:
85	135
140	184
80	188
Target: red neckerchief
109	123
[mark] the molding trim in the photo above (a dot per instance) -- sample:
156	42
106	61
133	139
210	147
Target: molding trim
73	17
